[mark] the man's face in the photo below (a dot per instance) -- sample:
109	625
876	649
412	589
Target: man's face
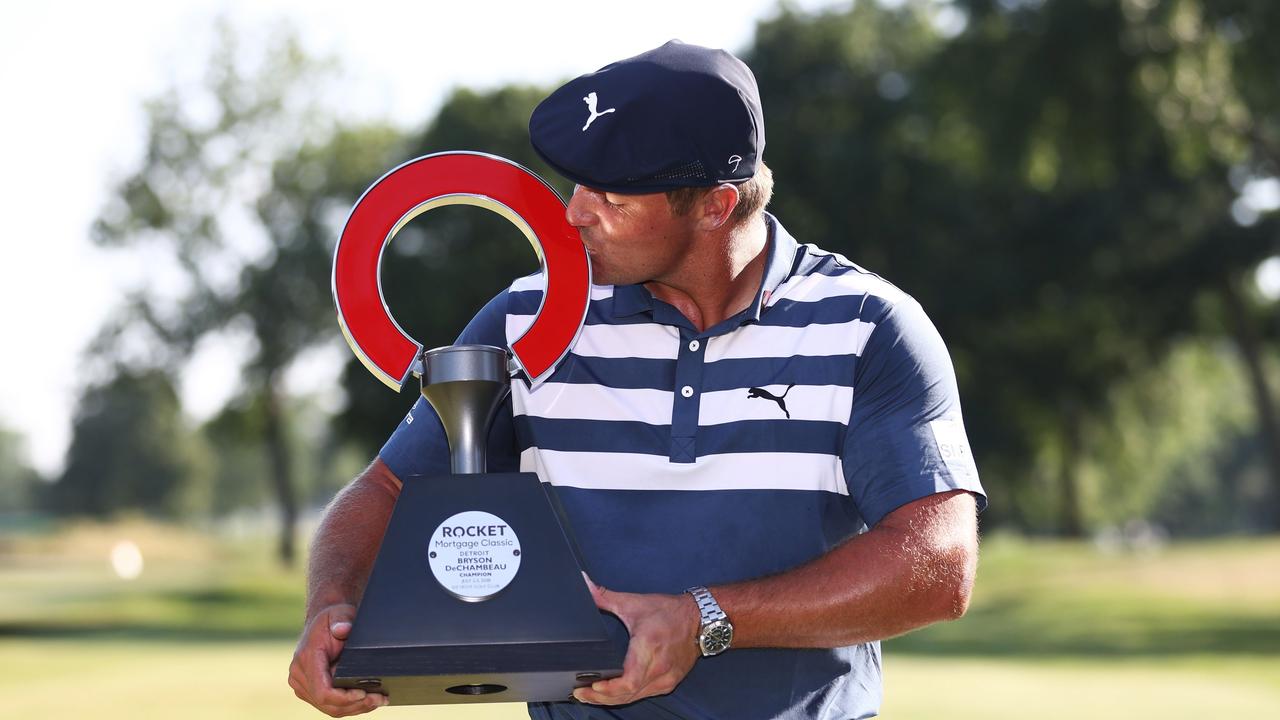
631	239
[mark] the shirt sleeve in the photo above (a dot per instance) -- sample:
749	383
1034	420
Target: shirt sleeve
419	446
906	437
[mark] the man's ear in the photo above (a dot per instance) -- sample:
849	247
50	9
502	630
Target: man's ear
716	206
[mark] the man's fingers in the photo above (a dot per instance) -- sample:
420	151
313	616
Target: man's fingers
340	629
367	704
311	672
605	695
589	696
628	687
344	701
317	666
329	695
611	692
340	619
660	653
601	596
621	686
335	702
609	600
624	688
320	684
341	696
594	697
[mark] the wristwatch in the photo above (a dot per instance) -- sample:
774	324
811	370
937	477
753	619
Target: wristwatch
716	632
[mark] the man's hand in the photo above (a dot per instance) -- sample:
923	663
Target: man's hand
663	648
311	673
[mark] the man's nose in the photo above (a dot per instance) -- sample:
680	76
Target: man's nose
579	212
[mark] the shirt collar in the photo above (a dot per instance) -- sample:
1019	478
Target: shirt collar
778	265
631	300
781	249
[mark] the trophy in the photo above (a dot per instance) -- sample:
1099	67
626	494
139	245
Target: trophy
477	592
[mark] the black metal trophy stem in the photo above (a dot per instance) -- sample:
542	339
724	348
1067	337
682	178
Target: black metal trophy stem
466	385
419	636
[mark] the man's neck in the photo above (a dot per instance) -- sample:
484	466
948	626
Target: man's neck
721	277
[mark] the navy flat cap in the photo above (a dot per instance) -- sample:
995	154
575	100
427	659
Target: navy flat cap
677	116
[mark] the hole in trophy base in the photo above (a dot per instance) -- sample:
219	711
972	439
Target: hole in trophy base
369	684
476	689
587	676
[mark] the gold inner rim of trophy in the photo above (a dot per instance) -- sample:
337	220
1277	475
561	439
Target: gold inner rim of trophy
480	201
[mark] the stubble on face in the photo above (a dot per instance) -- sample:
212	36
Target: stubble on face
632	239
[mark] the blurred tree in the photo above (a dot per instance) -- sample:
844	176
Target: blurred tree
238	438
131	449
19	483
1186	460
1207	69
1020	181
246	199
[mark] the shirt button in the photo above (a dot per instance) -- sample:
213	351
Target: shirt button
686	391
695	345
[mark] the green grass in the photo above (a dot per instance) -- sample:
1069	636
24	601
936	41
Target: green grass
1060	630
1042	599
1056	630
106	679
1191	688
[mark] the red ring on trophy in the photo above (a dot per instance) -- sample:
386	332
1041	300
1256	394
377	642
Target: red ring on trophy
458	178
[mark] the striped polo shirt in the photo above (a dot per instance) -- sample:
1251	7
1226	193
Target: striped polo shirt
687	457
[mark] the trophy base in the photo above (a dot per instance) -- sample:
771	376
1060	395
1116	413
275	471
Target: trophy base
533	639
480	674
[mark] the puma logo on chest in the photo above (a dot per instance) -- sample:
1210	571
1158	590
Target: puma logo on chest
765	394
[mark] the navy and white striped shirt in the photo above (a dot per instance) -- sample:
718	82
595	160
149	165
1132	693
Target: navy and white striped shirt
698	458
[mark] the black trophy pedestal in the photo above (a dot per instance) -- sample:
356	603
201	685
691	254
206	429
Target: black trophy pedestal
535	640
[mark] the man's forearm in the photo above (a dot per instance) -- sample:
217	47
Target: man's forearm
915	568
348	538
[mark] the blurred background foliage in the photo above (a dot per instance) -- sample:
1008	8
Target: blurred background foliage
1082	193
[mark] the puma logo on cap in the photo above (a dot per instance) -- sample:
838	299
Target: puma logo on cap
590	100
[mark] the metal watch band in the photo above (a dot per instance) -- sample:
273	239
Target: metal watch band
707	605
715	634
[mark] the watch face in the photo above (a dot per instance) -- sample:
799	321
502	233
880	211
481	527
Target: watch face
716	637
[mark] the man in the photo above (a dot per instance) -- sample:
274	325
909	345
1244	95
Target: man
759	444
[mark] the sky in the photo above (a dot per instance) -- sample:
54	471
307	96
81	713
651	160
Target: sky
74	76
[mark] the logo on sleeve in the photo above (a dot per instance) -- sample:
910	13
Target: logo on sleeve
953	446
590	100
